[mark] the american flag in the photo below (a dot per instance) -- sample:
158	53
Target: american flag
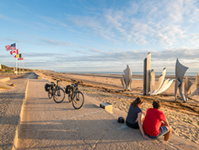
11	47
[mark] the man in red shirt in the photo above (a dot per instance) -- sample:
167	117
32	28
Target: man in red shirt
155	123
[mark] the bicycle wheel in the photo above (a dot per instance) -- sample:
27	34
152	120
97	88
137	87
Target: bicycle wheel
50	94
78	100
58	95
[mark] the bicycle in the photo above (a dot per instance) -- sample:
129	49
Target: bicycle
75	95
55	91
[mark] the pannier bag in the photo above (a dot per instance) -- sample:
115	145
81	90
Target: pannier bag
67	91
47	87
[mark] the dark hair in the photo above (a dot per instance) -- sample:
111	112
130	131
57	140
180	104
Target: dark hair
156	104
136	102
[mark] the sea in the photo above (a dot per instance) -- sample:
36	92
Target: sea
139	73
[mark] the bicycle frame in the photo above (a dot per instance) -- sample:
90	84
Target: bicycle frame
74	95
53	88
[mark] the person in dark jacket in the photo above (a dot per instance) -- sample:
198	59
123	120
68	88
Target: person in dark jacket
134	117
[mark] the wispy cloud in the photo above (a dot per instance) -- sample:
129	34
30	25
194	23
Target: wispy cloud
164	22
185	54
55	42
52	20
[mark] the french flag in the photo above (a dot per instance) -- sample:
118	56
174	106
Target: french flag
11	47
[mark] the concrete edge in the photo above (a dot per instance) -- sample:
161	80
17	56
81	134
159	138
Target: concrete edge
15	142
5	79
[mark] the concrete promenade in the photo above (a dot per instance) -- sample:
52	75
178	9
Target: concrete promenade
48	125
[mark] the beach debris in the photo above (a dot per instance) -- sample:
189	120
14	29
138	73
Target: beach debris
147	74
179	75
126	79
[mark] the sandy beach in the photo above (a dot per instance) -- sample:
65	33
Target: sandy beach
183	117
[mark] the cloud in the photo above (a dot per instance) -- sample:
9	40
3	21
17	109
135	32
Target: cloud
55	42
4	17
165	55
51	20
165	23
114	60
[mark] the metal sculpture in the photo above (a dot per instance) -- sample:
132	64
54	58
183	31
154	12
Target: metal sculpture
152	81
187	86
147	72
149	79
197	86
179	75
163	85
161	80
126	80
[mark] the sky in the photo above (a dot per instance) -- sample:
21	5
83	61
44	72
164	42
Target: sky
100	35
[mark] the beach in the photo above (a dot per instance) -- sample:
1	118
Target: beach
183	117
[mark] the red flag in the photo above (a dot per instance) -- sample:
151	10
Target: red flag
14	52
11	47
20	58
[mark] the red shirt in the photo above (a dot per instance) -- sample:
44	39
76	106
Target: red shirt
152	121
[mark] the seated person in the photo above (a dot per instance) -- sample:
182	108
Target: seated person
134	116
155	123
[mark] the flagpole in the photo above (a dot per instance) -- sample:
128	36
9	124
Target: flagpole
23	66
19	66
16	66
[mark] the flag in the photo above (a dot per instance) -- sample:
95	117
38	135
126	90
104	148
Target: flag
20	58
11	47
14	52
17	56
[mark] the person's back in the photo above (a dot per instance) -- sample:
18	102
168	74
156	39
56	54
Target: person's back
155	123
132	117
152	121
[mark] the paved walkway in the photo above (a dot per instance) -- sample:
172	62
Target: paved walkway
48	125
10	107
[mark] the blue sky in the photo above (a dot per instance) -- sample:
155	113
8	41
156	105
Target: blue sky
100	35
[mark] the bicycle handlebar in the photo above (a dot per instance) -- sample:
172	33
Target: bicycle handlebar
76	84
